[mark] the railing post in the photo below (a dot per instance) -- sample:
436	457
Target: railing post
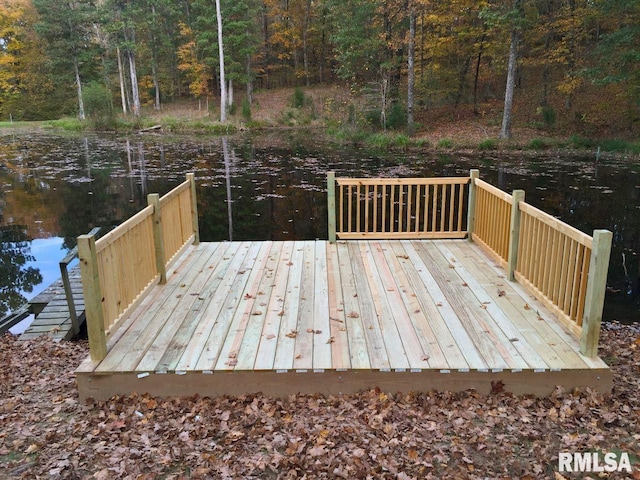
596	286
471	210
68	292
514	232
194	208
92	296
331	205
153	199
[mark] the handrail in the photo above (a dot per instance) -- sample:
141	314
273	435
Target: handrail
370	208
557	263
561	266
566	270
493	218
119	269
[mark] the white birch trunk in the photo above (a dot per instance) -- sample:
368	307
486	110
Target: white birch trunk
223	85
134	84
81	114
123	92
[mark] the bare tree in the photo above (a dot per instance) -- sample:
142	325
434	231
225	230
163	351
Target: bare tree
223	86
411	77
505	131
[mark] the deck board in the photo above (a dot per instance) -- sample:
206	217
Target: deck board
351	311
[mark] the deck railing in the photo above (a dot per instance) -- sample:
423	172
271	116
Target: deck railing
562	267
120	268
398	208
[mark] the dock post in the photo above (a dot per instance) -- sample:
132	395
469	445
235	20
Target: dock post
471	209
191	178
331	205
514	233
92	297
66	283
596	286
153	199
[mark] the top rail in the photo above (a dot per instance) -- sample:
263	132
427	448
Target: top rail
119	269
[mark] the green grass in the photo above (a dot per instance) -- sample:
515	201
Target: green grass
619	145
71	124
488	144
445	143
615	145
538	144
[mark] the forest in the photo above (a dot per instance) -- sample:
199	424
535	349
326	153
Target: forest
569	64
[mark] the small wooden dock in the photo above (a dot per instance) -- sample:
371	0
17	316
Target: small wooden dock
288	317
405	302
51	309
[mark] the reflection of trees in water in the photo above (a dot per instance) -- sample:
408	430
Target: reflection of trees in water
15	276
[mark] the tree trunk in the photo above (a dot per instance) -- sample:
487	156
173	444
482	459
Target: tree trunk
223	86
505	131
123	92
411	79
230	94
305	28
249	81
81	114
154	63
156	85
134	83
477	76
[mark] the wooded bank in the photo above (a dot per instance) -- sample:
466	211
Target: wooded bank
574	62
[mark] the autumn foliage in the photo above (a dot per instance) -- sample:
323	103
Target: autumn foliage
577	66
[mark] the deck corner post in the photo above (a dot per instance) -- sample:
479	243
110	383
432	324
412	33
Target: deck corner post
92	297
331	205
596	286
153	199
514	232
471	209
191	178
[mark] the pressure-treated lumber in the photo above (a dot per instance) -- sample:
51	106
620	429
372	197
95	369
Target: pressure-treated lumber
268	311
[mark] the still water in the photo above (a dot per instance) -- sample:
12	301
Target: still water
273	187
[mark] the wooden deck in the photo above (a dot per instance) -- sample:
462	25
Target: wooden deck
52	316
314	316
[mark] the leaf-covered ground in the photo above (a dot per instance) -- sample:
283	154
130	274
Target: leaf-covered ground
45	432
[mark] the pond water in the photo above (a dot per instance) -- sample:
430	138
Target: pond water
272	186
